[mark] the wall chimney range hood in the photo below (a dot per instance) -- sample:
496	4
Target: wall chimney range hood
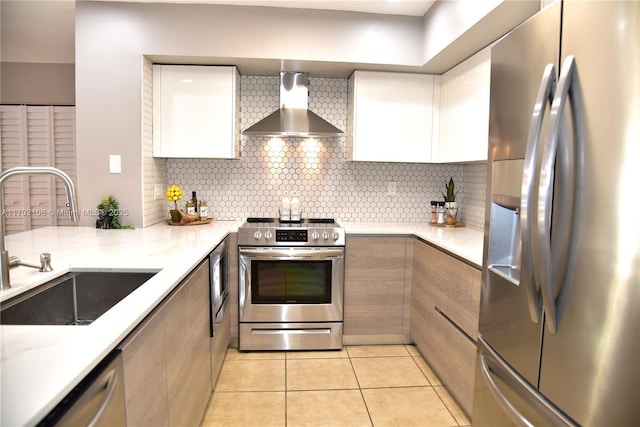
294	117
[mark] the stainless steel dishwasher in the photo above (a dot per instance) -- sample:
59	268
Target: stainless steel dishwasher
98	401
220	316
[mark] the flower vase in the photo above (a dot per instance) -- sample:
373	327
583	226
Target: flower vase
175	215
105	219
451	208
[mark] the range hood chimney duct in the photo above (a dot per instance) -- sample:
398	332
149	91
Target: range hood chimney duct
294	117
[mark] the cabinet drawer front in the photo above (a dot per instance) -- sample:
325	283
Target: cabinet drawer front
460	311
376	259
453	357
442	269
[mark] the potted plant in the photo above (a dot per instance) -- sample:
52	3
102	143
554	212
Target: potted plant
174	193
450	204
109	214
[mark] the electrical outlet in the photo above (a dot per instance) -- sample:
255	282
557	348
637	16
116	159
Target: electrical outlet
392	188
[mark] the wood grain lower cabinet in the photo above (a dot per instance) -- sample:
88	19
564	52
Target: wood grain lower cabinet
376	289
444	318
145	374
167	365
187	345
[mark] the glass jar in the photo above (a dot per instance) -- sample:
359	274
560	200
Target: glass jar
434	212
440	213
203	210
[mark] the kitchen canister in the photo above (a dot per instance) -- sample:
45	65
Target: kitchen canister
285	209
295	209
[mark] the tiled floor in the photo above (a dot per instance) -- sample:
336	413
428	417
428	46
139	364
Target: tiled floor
388	385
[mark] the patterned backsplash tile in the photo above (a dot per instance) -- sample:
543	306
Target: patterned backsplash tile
316	170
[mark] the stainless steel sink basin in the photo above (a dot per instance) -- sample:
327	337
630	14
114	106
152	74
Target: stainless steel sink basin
76	298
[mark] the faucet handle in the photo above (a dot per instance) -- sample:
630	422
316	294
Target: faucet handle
45	262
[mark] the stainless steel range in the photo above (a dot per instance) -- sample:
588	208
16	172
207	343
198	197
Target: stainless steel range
291	284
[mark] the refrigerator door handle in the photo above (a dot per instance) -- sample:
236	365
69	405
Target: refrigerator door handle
554	259
529	178
502	400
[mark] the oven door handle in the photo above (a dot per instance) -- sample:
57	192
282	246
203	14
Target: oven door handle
280	253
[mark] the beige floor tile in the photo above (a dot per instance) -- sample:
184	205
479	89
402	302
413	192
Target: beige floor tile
320	374
427	371
457	412
407	407
246	409
252	375
377	350
330	408
412	350
235	354
374	372
329	354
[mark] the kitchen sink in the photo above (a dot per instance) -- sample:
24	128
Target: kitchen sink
76	298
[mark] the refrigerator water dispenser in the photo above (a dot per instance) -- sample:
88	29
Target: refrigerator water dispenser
505	238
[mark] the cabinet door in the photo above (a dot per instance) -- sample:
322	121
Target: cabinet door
167	366
188	349
391	116
464	111
145	379
375	286
195	111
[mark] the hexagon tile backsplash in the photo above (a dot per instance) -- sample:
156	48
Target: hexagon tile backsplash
317	172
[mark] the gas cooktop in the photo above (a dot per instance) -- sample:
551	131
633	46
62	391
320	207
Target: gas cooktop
307	232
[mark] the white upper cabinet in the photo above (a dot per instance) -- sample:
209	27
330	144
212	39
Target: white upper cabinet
195	111
391	117
464	111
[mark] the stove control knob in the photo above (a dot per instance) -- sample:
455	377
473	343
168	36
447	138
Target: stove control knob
315	236
268	235
257	235
336	236
325	236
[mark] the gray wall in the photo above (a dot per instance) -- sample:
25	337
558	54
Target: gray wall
37	52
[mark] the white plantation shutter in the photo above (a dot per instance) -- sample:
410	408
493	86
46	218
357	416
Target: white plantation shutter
64	156
13	134
36	136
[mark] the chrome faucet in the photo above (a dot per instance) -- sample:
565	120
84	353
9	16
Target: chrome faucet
30	170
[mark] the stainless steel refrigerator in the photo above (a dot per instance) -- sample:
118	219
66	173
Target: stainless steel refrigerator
560	307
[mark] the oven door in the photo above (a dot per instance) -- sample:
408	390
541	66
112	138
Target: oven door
291	284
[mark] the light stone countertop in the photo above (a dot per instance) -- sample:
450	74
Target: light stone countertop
463	242
39	365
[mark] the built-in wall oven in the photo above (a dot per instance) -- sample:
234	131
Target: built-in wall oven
291	285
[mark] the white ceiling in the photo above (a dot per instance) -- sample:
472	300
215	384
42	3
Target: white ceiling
387	7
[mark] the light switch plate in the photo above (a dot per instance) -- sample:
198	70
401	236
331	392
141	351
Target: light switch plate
115	163
158	192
